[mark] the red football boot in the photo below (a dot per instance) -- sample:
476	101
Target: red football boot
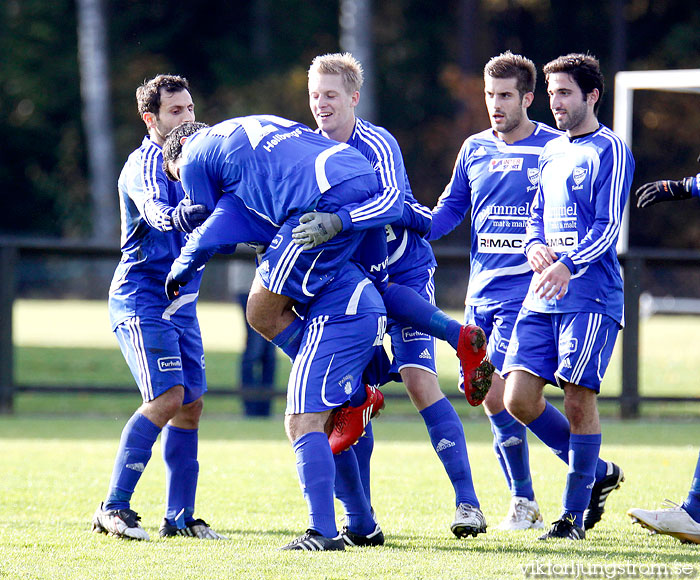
348	423
477	369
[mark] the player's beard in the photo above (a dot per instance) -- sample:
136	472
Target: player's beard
512	122
573	118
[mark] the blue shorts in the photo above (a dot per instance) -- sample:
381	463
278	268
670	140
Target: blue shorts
571	347
162	355
344	328
410	347
497	322
299	274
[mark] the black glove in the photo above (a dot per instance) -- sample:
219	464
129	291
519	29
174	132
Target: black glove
664	190
172	287
186	217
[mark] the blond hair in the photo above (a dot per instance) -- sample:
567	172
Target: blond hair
343	64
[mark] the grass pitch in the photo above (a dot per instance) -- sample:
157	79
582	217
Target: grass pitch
58	449
55	472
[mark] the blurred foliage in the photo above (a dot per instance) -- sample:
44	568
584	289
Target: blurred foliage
251	57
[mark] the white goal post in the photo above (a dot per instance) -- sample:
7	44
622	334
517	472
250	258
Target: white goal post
626	82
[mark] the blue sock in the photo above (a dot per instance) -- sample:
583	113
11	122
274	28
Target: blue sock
512	440
181	473
289	340
363	452
552	428
316	469
406	306
350	491
501	459
692	502
447	436
583	456
138	436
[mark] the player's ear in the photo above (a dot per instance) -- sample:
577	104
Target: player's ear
527	99
149	119
355	99
593	96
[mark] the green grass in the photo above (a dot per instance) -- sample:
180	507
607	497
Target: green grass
88	355
55	471
58	449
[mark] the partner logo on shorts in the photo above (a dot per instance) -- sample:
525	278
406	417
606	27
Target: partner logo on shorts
444	444
170	363
502	346
505	165
346	384
578	175
425	354
573	344
533	175
409	334
275	243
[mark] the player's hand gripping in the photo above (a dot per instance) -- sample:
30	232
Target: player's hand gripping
315	228
187	217
664	190
172	287
553	282
541	256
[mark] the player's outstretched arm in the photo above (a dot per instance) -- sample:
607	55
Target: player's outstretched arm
664	190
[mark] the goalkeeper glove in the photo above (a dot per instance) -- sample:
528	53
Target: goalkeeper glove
186	217
664	190
315	228
172	287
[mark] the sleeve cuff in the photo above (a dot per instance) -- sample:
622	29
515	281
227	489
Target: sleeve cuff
569	263
344	216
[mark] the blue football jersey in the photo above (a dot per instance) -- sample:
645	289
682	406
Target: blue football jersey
148	243
497	181
407	249
577	211
279	168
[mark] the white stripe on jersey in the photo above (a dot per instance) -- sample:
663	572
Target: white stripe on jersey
154	215
298	377
420	209
594	322
325	381
355	298
430	286
133	325
280	273
386	173
609	236
478	280
400	250
503	147
320	166
178	303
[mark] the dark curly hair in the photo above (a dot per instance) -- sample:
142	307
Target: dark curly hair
172	148
148	94
584	69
